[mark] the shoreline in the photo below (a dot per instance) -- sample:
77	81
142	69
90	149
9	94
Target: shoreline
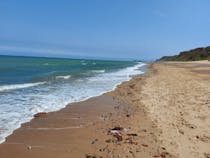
63	103
134	120
104	118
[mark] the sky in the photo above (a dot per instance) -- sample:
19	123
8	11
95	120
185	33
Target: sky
118	29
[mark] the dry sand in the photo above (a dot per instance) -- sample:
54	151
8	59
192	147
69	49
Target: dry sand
177	99
163	113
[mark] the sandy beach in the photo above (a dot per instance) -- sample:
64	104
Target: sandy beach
164	113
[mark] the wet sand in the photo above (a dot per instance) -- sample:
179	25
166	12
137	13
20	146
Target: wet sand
163	113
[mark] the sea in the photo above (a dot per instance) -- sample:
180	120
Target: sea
29	85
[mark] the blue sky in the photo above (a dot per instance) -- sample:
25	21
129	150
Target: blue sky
129	29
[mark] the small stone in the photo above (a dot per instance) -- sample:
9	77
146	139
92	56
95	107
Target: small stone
40	114
144	145
29	147
132	134
118	128
118	136
108	141
163	148
144	130
94	141
90	156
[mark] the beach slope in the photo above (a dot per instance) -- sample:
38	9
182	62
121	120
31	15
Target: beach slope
163	113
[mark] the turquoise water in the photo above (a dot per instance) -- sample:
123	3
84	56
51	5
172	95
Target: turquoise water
29	85
16	70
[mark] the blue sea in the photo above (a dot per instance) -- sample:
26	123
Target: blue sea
29	85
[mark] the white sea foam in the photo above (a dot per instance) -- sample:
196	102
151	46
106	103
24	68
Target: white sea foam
98	71
19	107
84	63
19	86
63	77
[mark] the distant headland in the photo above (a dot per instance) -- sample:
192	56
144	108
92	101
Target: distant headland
202	53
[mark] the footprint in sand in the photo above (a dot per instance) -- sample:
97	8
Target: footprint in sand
203	138
206	155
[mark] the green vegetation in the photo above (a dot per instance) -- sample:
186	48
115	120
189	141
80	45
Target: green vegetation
191	55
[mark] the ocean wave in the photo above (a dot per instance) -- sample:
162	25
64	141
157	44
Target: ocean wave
118	76
84	63
98	71
63	77
19	86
